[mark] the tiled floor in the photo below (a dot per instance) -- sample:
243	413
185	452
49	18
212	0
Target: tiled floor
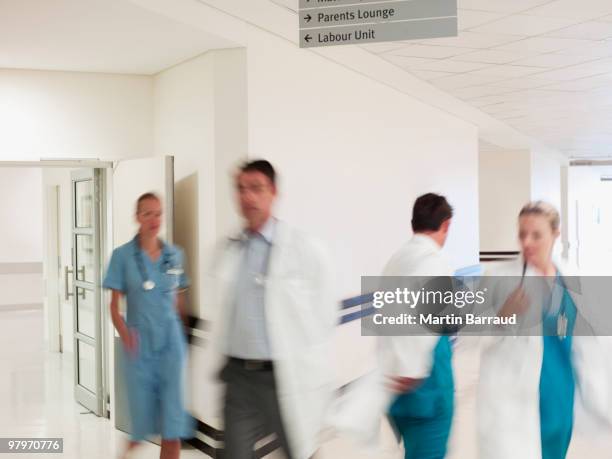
36	400
36	396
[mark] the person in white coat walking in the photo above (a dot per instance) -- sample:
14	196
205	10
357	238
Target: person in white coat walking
413	381
422	410
273	317
530	381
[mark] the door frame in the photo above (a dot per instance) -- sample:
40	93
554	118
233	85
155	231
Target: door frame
92	401
105	239
52	270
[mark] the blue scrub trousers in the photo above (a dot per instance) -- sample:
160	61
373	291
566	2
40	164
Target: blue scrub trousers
424	416
155	383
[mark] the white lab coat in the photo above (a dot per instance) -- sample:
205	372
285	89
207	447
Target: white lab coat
359	412
508	390
301	315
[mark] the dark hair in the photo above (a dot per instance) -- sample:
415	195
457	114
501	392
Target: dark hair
429	212
144	197
260	165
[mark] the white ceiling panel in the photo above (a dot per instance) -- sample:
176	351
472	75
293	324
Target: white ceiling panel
583	9
472	18
480	91
429	75
501	6
585	31
436	65
555	60
491	56
578	71
463	80
524	83
541	66
473	40
428	52
507	71
383	47
490	100
522	24
538	45
592	49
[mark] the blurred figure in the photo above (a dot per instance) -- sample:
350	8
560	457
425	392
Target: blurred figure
273	321
422	412
149	273
413	382
528	384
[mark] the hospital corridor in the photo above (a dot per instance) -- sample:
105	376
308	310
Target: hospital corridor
306	229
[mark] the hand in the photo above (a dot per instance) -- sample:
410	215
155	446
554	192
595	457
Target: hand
517	303
130	341
402	384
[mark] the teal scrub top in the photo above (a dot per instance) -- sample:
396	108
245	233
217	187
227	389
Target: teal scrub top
557	383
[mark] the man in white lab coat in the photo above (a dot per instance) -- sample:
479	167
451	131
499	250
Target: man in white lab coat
423	409
419	399
273	318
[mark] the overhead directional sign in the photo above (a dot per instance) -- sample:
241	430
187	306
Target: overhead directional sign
341	22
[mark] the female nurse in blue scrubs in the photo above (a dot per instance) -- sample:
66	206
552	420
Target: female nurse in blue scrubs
149	273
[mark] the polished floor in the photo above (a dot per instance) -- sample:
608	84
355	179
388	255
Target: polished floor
36	400
36	397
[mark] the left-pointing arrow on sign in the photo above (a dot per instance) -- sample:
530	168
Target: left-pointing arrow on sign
307	38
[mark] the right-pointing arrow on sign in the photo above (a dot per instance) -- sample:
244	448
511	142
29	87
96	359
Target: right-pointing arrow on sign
308	18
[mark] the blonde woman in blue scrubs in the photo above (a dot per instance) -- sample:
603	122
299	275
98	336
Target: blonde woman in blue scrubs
149	273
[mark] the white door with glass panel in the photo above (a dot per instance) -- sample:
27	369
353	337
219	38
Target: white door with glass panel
85	279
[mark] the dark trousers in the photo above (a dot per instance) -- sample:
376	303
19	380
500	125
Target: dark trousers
251	410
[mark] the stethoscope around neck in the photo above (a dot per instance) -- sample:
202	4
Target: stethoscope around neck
147	283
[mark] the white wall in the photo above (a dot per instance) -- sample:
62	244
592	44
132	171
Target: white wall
505	187
590	219
547	184
546	176
353	154
60	178
200	118
510	179
69	114
21	238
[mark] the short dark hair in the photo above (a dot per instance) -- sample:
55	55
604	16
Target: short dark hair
144	197
260	165
429	212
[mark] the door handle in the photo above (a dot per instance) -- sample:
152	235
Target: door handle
67	292
81	273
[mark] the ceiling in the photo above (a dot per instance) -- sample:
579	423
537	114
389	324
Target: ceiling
544	67
110	36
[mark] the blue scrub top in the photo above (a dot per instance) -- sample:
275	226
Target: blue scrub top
557	383
149	311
